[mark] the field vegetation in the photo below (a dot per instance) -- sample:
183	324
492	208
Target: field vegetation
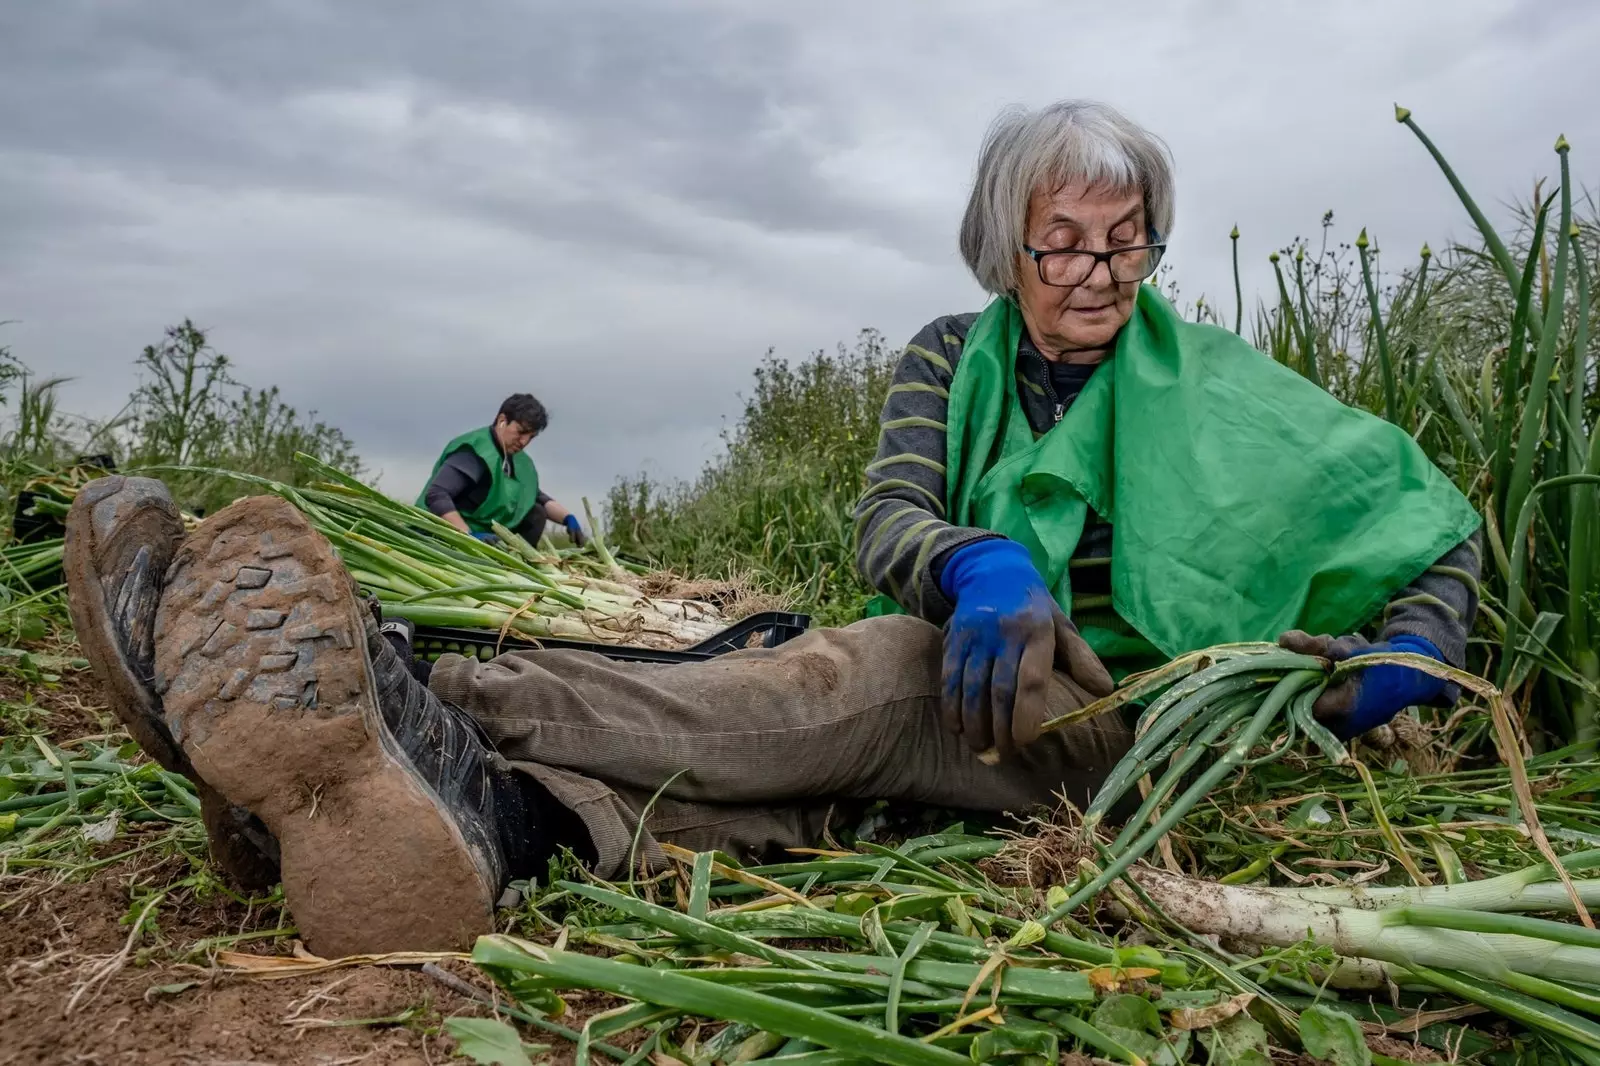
945	940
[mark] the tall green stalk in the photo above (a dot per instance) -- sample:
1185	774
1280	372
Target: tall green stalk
1391	397
1291	319
1491	239
1238	291
1530	441
1307	333
1516	594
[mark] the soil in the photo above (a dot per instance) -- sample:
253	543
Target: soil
54	938
55	935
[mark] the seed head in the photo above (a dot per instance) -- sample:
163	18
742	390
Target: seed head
1427	253
1300	254
1401	113
1361	241
1573	231
1235	234
1561	143
1273	258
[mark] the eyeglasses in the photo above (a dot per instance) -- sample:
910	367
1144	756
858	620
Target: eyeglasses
1072	267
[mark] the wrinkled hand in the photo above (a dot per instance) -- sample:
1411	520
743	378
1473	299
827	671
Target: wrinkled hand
1371	697
574	531
1002	646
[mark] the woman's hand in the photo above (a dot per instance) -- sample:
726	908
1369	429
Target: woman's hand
1002	645
1371	697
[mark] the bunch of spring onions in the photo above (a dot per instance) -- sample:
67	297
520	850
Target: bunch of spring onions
31	566
423	569
931	961
1245	706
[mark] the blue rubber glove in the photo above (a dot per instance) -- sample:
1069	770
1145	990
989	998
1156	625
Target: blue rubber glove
1373	696
574	530
487	538
1001	646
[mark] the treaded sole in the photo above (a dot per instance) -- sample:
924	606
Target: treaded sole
260	648
112	521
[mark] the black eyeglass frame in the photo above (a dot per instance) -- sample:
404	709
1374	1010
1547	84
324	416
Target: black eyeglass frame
1038	257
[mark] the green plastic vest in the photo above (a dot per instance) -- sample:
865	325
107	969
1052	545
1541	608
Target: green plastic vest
1243	499
509	498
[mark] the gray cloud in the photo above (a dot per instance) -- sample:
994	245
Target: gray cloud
399	217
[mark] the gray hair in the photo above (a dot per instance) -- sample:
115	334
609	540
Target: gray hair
1070	141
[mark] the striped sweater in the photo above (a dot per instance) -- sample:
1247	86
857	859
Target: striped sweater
903	539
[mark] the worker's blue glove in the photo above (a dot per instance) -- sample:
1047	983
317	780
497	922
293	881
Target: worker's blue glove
1371	697
487	538
1001	647
574	530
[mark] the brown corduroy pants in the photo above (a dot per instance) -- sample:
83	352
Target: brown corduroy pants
758	745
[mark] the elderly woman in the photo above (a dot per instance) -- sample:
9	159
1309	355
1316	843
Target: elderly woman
1077	448
1234	501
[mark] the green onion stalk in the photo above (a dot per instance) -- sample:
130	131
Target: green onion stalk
423	569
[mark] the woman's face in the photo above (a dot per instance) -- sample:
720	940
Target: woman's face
1061	320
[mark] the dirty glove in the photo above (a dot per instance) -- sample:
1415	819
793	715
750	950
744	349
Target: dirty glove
1002	645
487	538
1371	697
574	530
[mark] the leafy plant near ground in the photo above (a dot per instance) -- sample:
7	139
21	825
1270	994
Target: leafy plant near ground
187	410
777	504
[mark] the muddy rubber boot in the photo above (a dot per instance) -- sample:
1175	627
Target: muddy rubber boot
282	692
122	533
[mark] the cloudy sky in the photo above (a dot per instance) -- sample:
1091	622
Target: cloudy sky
399	217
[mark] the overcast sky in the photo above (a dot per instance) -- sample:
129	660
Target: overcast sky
400	213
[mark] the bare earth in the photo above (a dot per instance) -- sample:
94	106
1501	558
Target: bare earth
77	991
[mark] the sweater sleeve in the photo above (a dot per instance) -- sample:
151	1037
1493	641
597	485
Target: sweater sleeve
900	524
1440	605
460	471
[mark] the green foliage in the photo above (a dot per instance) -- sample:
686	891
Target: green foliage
776	505
487	1041
187	410
1333	1035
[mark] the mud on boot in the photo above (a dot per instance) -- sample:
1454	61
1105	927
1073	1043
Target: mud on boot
122	533
282	693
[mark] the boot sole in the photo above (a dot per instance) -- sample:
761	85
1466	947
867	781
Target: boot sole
260	641
140	509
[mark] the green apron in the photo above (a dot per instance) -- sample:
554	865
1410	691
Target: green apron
509	498
1243	499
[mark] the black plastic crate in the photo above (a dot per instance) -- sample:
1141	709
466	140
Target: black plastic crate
765	630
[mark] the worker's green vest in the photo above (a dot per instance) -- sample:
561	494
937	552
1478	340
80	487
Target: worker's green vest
1243	499
510	497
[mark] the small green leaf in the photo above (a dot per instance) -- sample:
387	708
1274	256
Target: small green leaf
155	992
854	904
1128	1011
1334	1035
1239	1041
487	1042
1008	1042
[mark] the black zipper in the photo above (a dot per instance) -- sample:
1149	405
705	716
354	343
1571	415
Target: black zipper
1056	406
